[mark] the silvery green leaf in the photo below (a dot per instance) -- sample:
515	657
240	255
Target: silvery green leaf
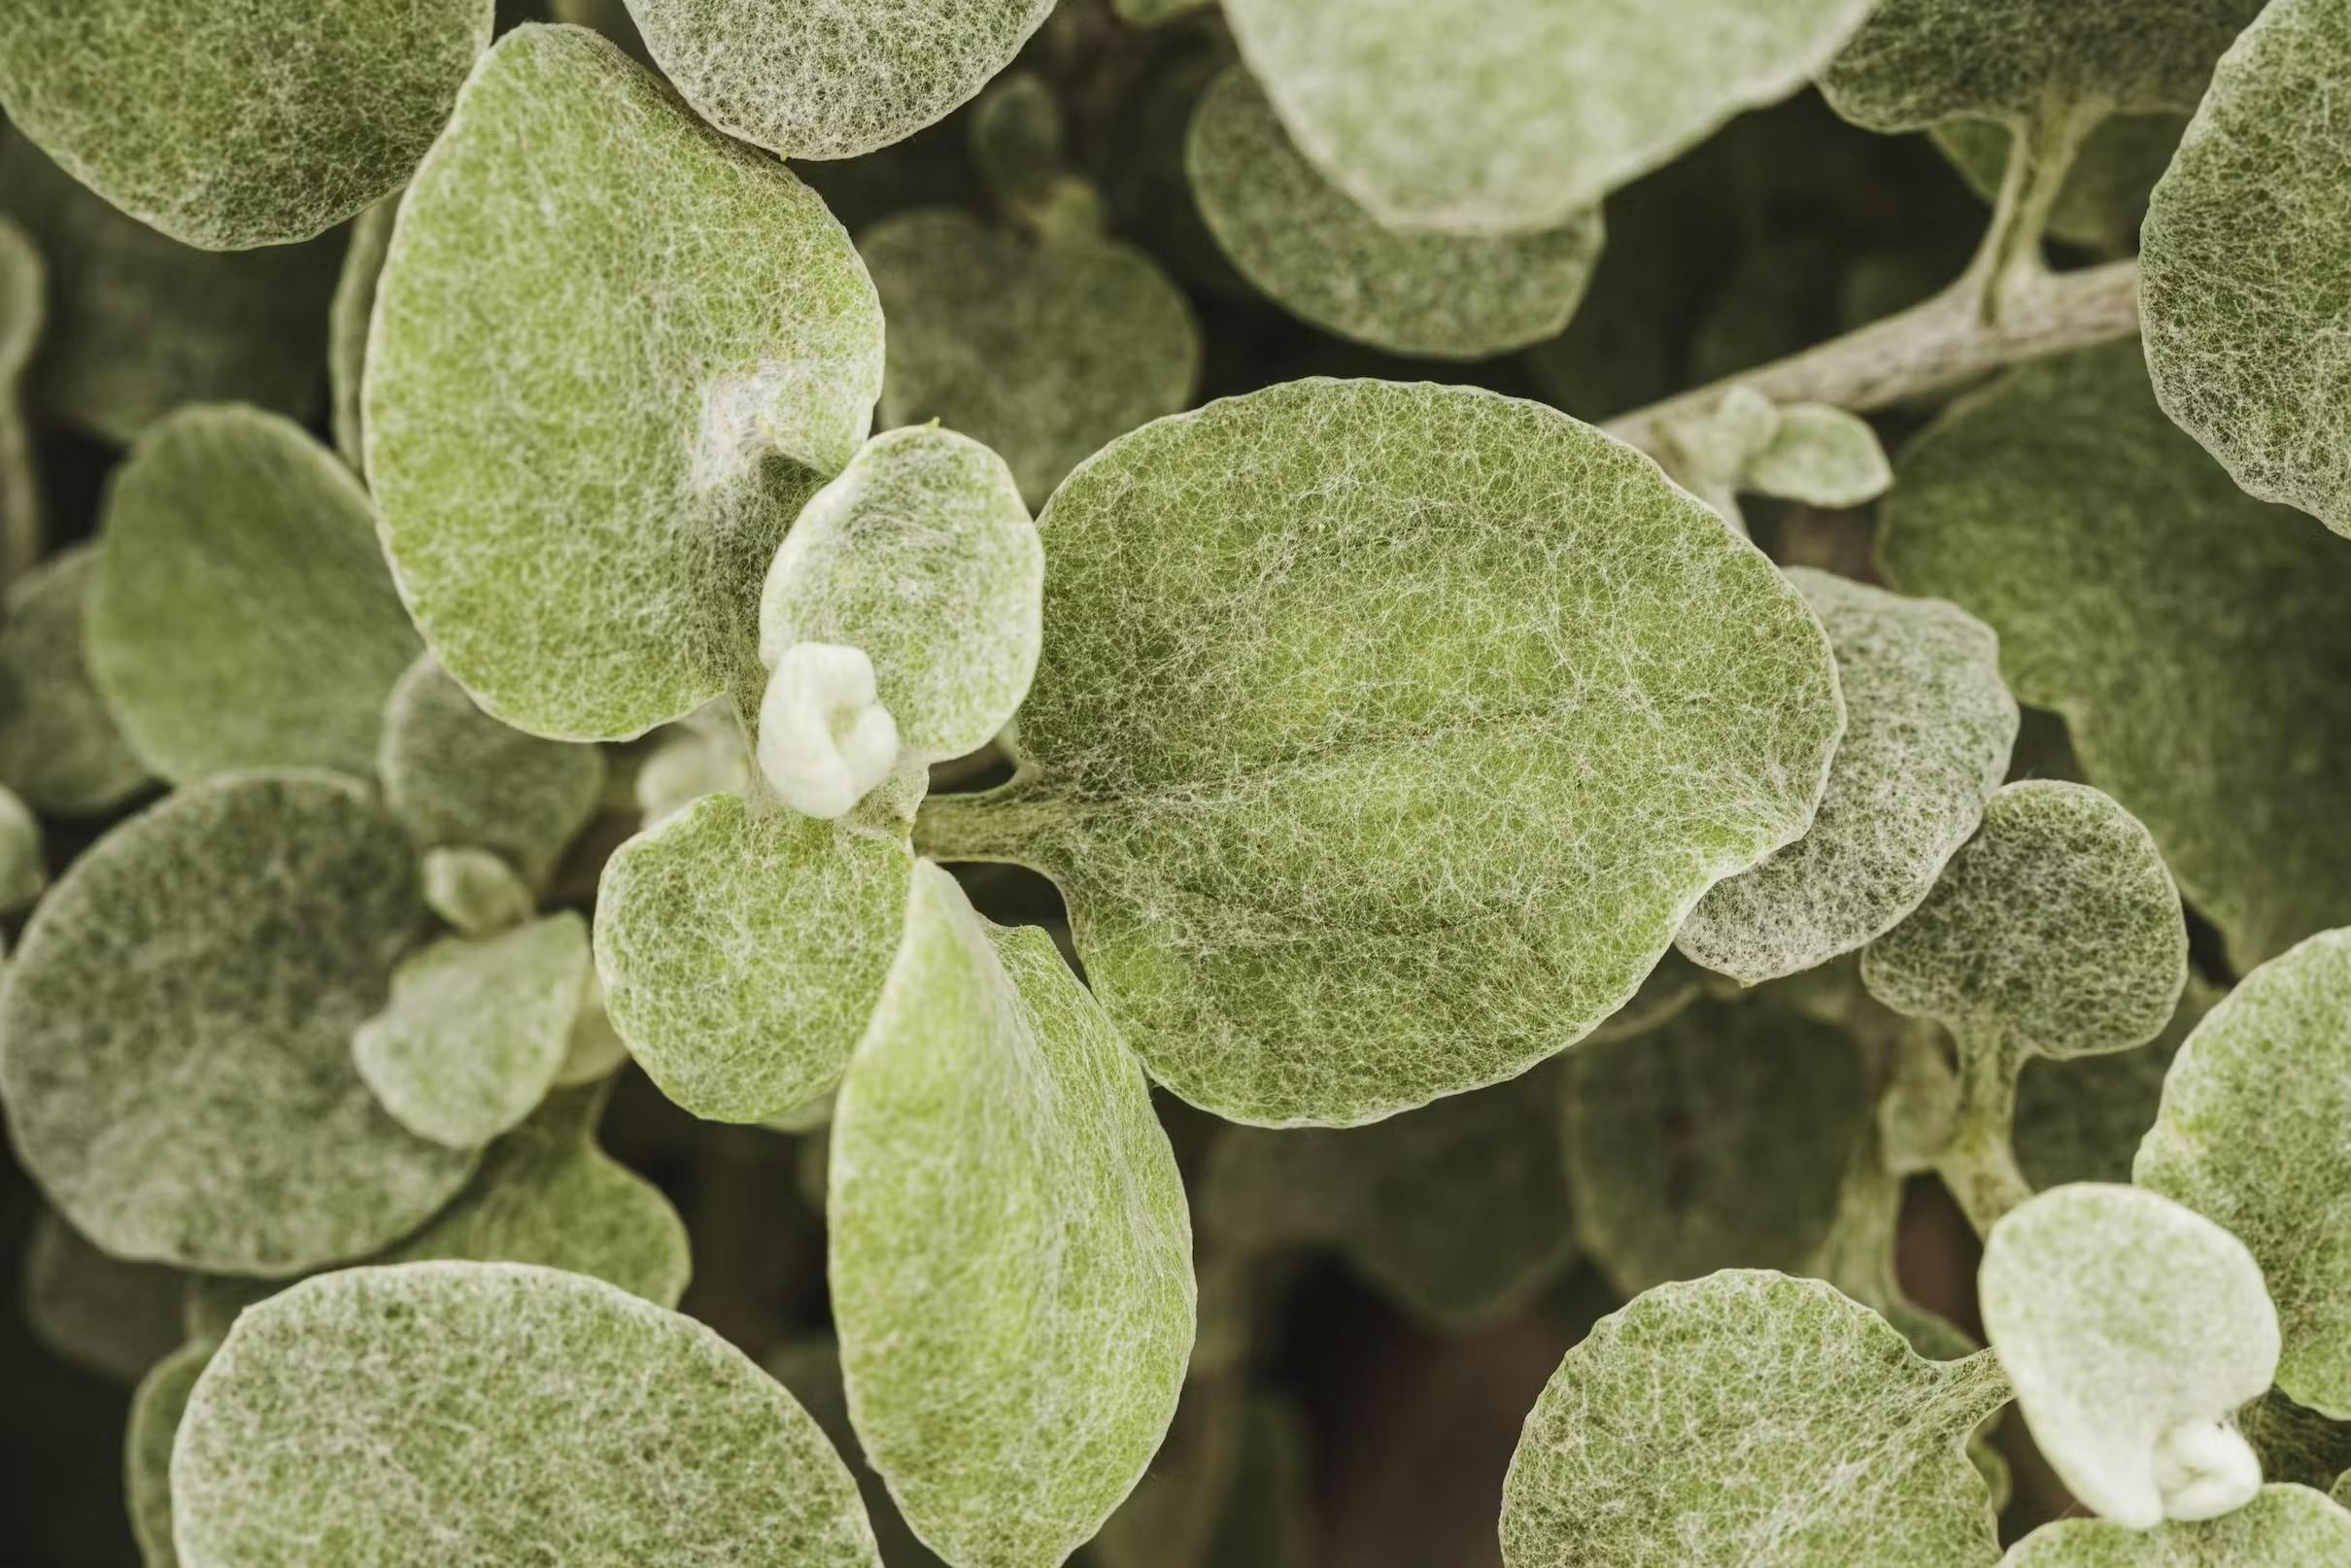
349	317
24	313
59	748
1313	252
595	1049
1819	456
2105	191
1010	1256
178	1075
113	1317
1339	837
1748	1417
2081	1119
581	536
478	1411
2282	1527
474	892
155	1411
242	617
2133	1329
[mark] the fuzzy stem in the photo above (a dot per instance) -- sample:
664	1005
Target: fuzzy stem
2041	149
1005	824
1979	1165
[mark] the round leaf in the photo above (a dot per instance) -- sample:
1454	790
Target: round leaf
2283	1528
59	748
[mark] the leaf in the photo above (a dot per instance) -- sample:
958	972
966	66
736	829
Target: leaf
1500	117
1042	350
2244	270
922	556
581	536
1748	1417
2081	1119
2104	194
1928	728
836	81
349	317
742	953
178	1073
1721	1140
392	1415
1011	1257
242	617
1313	252
23	313
2133	1329
2282	1527
2120	567
59	748
155	1412
458	776
23	871
1819	456
236	125
113	1318
2250	1134
1383	737
474	892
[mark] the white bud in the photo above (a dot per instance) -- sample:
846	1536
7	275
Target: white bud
825	739
2205	1469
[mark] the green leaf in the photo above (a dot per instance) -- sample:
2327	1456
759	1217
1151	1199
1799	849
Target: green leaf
114	1318
2283	1528
1011	1255
922	556
140	325
836	81
581	536
1385	736
2244	266
474	892
24	313
396	1415
156	1413
1323	259
1748	1417
1502	117
2121	569
742	953
2081	1119
238	125
178	1073
2250	1134
59	748
2105	191
349	318
242	617
24	870
1927	734
2133	1328
1819	456
1043	350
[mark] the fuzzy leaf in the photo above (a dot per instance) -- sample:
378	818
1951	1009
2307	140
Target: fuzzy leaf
388	1415
155	1412
1011	1255
581	536
1819	456
2283	1528
59	748
113	1318
474	892
349	317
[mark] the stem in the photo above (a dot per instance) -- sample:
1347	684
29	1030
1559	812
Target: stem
2041	149
1004	824
1979	1166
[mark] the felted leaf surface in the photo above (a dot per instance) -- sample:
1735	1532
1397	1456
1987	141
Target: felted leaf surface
178	1075
117	1319
24	313
1928	727
155	1412
1819	456
475	1029
474	892
742	953
2082	1119
349	318
59	748
2283	1528
1749	1417
581	536
1044	351
474	1414
2121	1317
1383	737
458	776
1512	116
1011	1255
1323	259
140	324
2121	569
2244	269
2104	196
922	556
242	616
2250	1133
1721	1140
2057	923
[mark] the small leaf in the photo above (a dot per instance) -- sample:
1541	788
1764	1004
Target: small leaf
349	318
2282	1527
1748	1417
1821	456
59	748
560	1410
155	1412
242	617
474	892
1010	1256
114	1318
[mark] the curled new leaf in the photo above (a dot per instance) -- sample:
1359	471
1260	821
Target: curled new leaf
59	748
1011	1257
2282	1527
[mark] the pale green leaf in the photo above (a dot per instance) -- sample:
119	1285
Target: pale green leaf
474	892
178	1073
242	124
581	536
2104	197
59	748
2250	1134
595	1049
1819	456
2082	1119
1045	349
1928	728
2121	569
23	313
1749	1419
242	616
1385	736
155	1412
1323	259
476	1414
2245	265
117	1319
349	318
742	951
1011	1255
2283	1528
2133	1328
